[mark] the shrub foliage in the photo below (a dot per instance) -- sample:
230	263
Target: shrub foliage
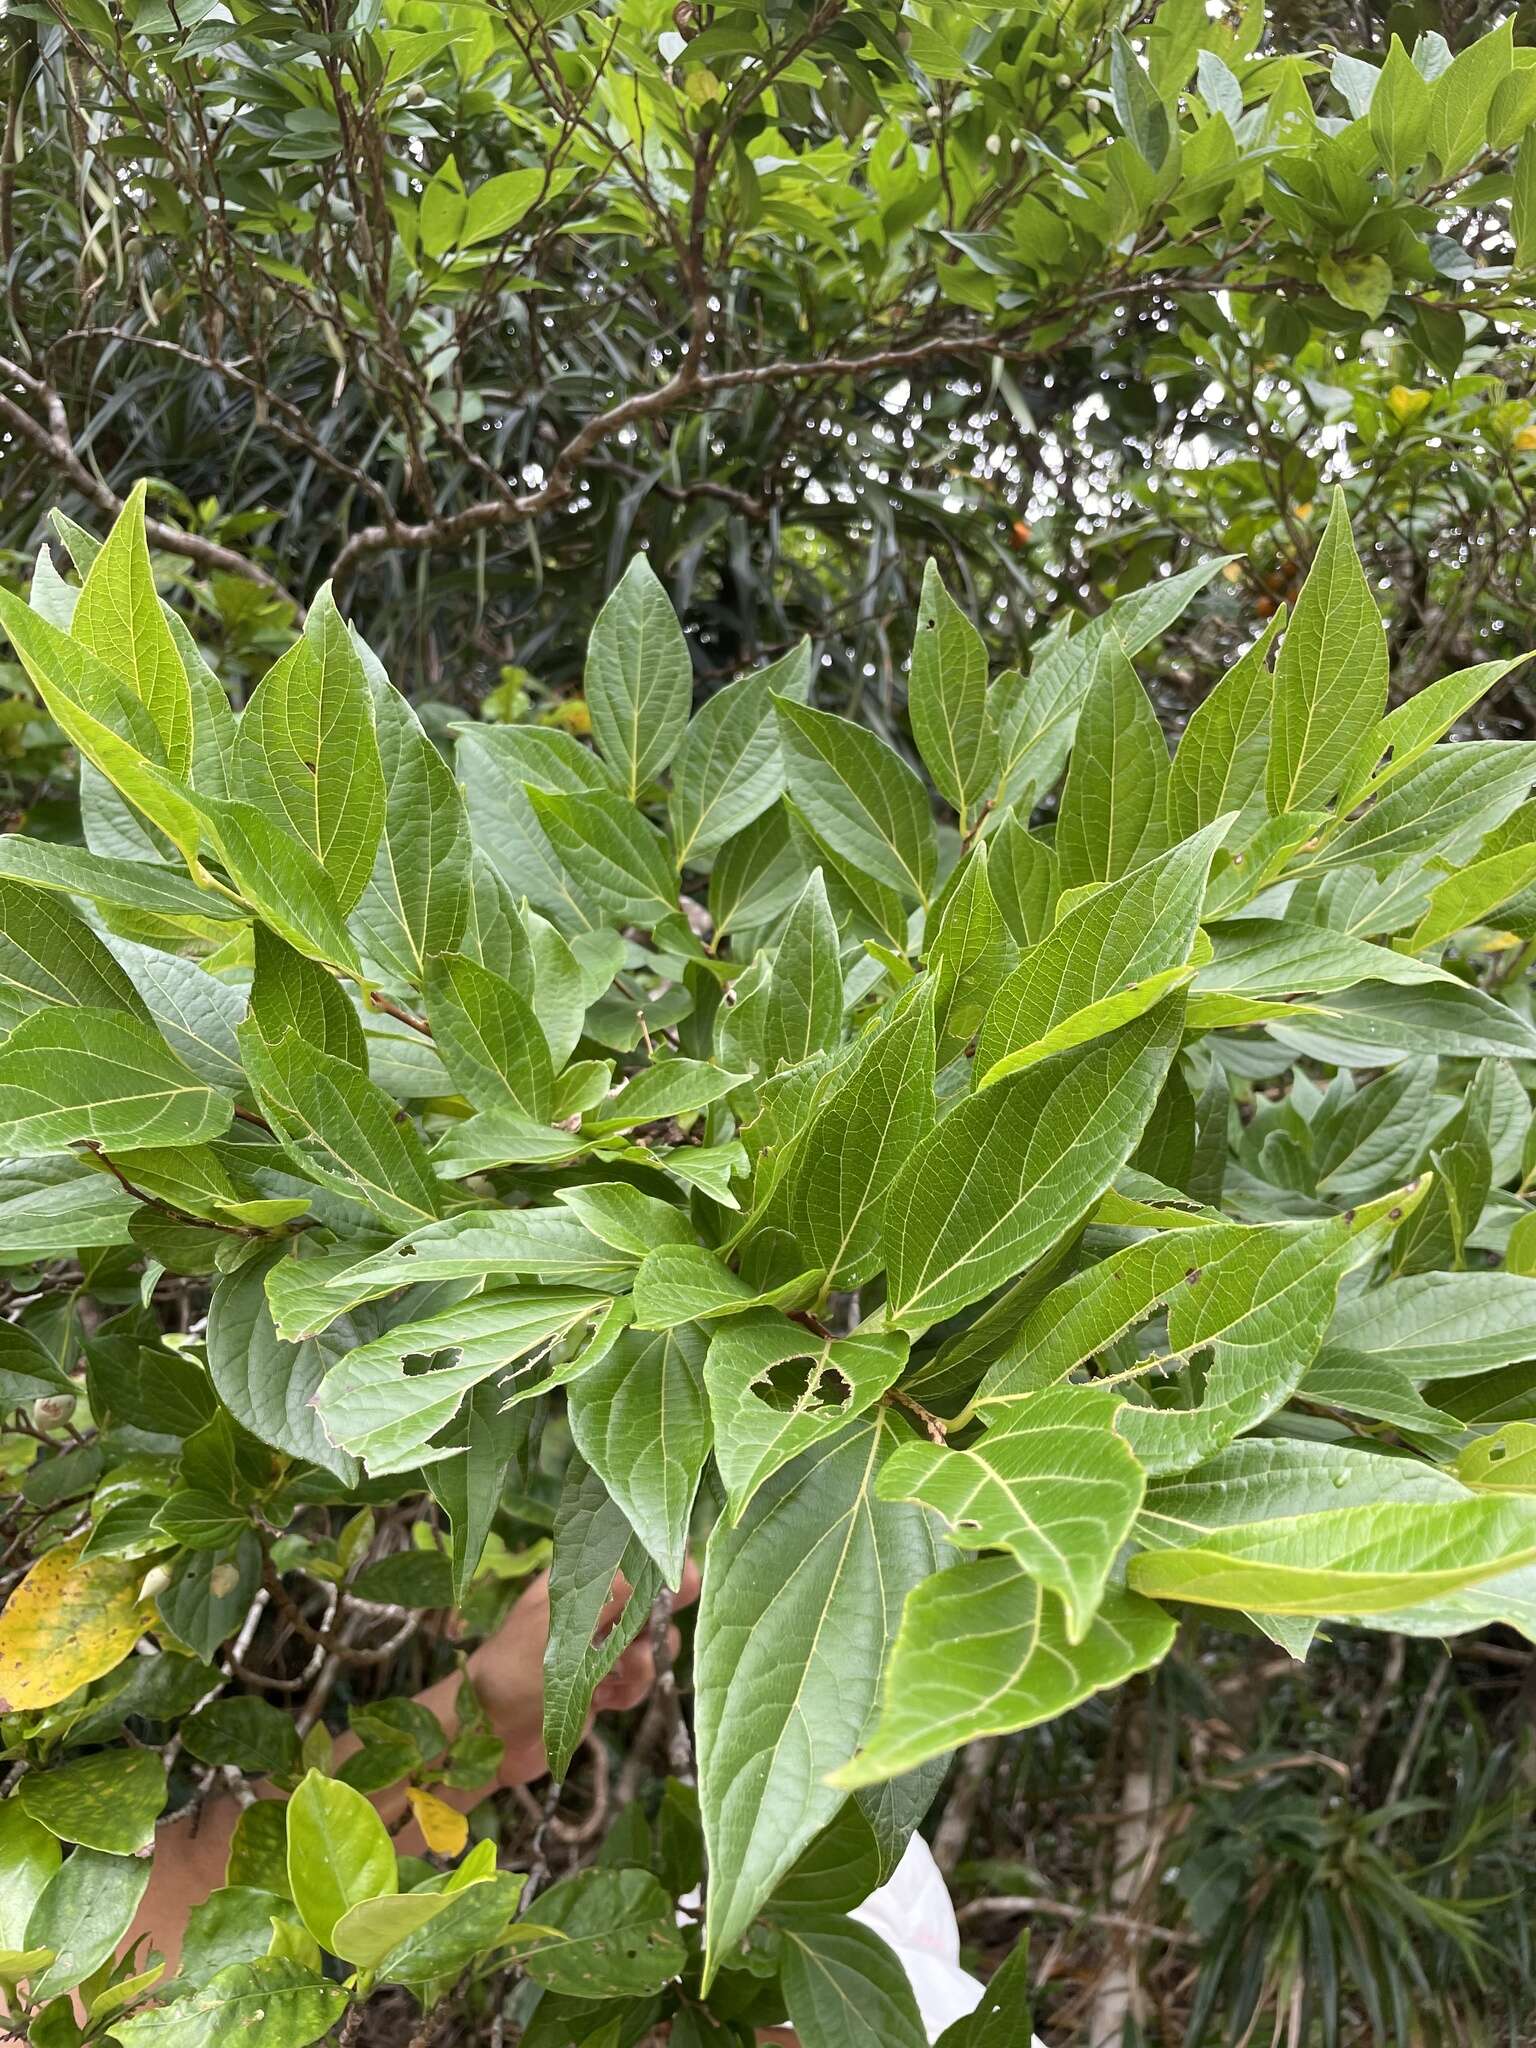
990	1221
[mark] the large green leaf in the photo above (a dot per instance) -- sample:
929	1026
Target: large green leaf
1331	676
983	1650
1006	1173
639	678
120	619
947	695
489	1038
307	752
273	2002
640	1419
416	901
845	1989
616	856
1219	763
800	1601
49	954
764	1415
860	797
1114	807
602	1934
85	1075
728	769
109	1801
1050	1481
1111	945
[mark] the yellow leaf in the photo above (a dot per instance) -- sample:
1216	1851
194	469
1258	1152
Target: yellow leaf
65	1624
1526	438
1406	402
444	1829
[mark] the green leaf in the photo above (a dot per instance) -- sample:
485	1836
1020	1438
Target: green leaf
1219	764
764	1415
1051	1482
232	1925
1462	99
1005	1174
29	1858
267	1384
1352	1561
1001	2019
249	1733
641	1421
593	1543
855	1142
49	954
86	1075
842	1985
1399	113
1114	807
803	1011
1114	943
307	752
1138	108
1446	801
799	1603
489	1038
1357	1026
1441	1325
366	1932
684	1283
497	205
756	875
120	620
292	993
728	769
602	1934
339	1853
370	1405
103	718
471	1924
616	856
110	1801
947	697
81	1914
341	1129
984	1650
272	2002
1362	282
639	678
1259	956
416	901
547	1244
111	882
1331	676
282	881
1472	895
860	797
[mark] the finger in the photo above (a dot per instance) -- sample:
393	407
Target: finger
688	1591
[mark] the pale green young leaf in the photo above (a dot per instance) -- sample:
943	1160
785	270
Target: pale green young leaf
339	1853
1473	895
728	769
983	1650
1050	1481
1113	814
765	1415
1003	1175
1331	676
625	1218
639	678
119	619
683	1283
860	797
307	751
1461	98
366	1932
799	1604
640	1419
947	697
29	1856
80	1075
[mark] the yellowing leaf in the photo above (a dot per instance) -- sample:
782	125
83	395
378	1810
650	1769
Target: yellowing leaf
65	1624
1405	402
444	1829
